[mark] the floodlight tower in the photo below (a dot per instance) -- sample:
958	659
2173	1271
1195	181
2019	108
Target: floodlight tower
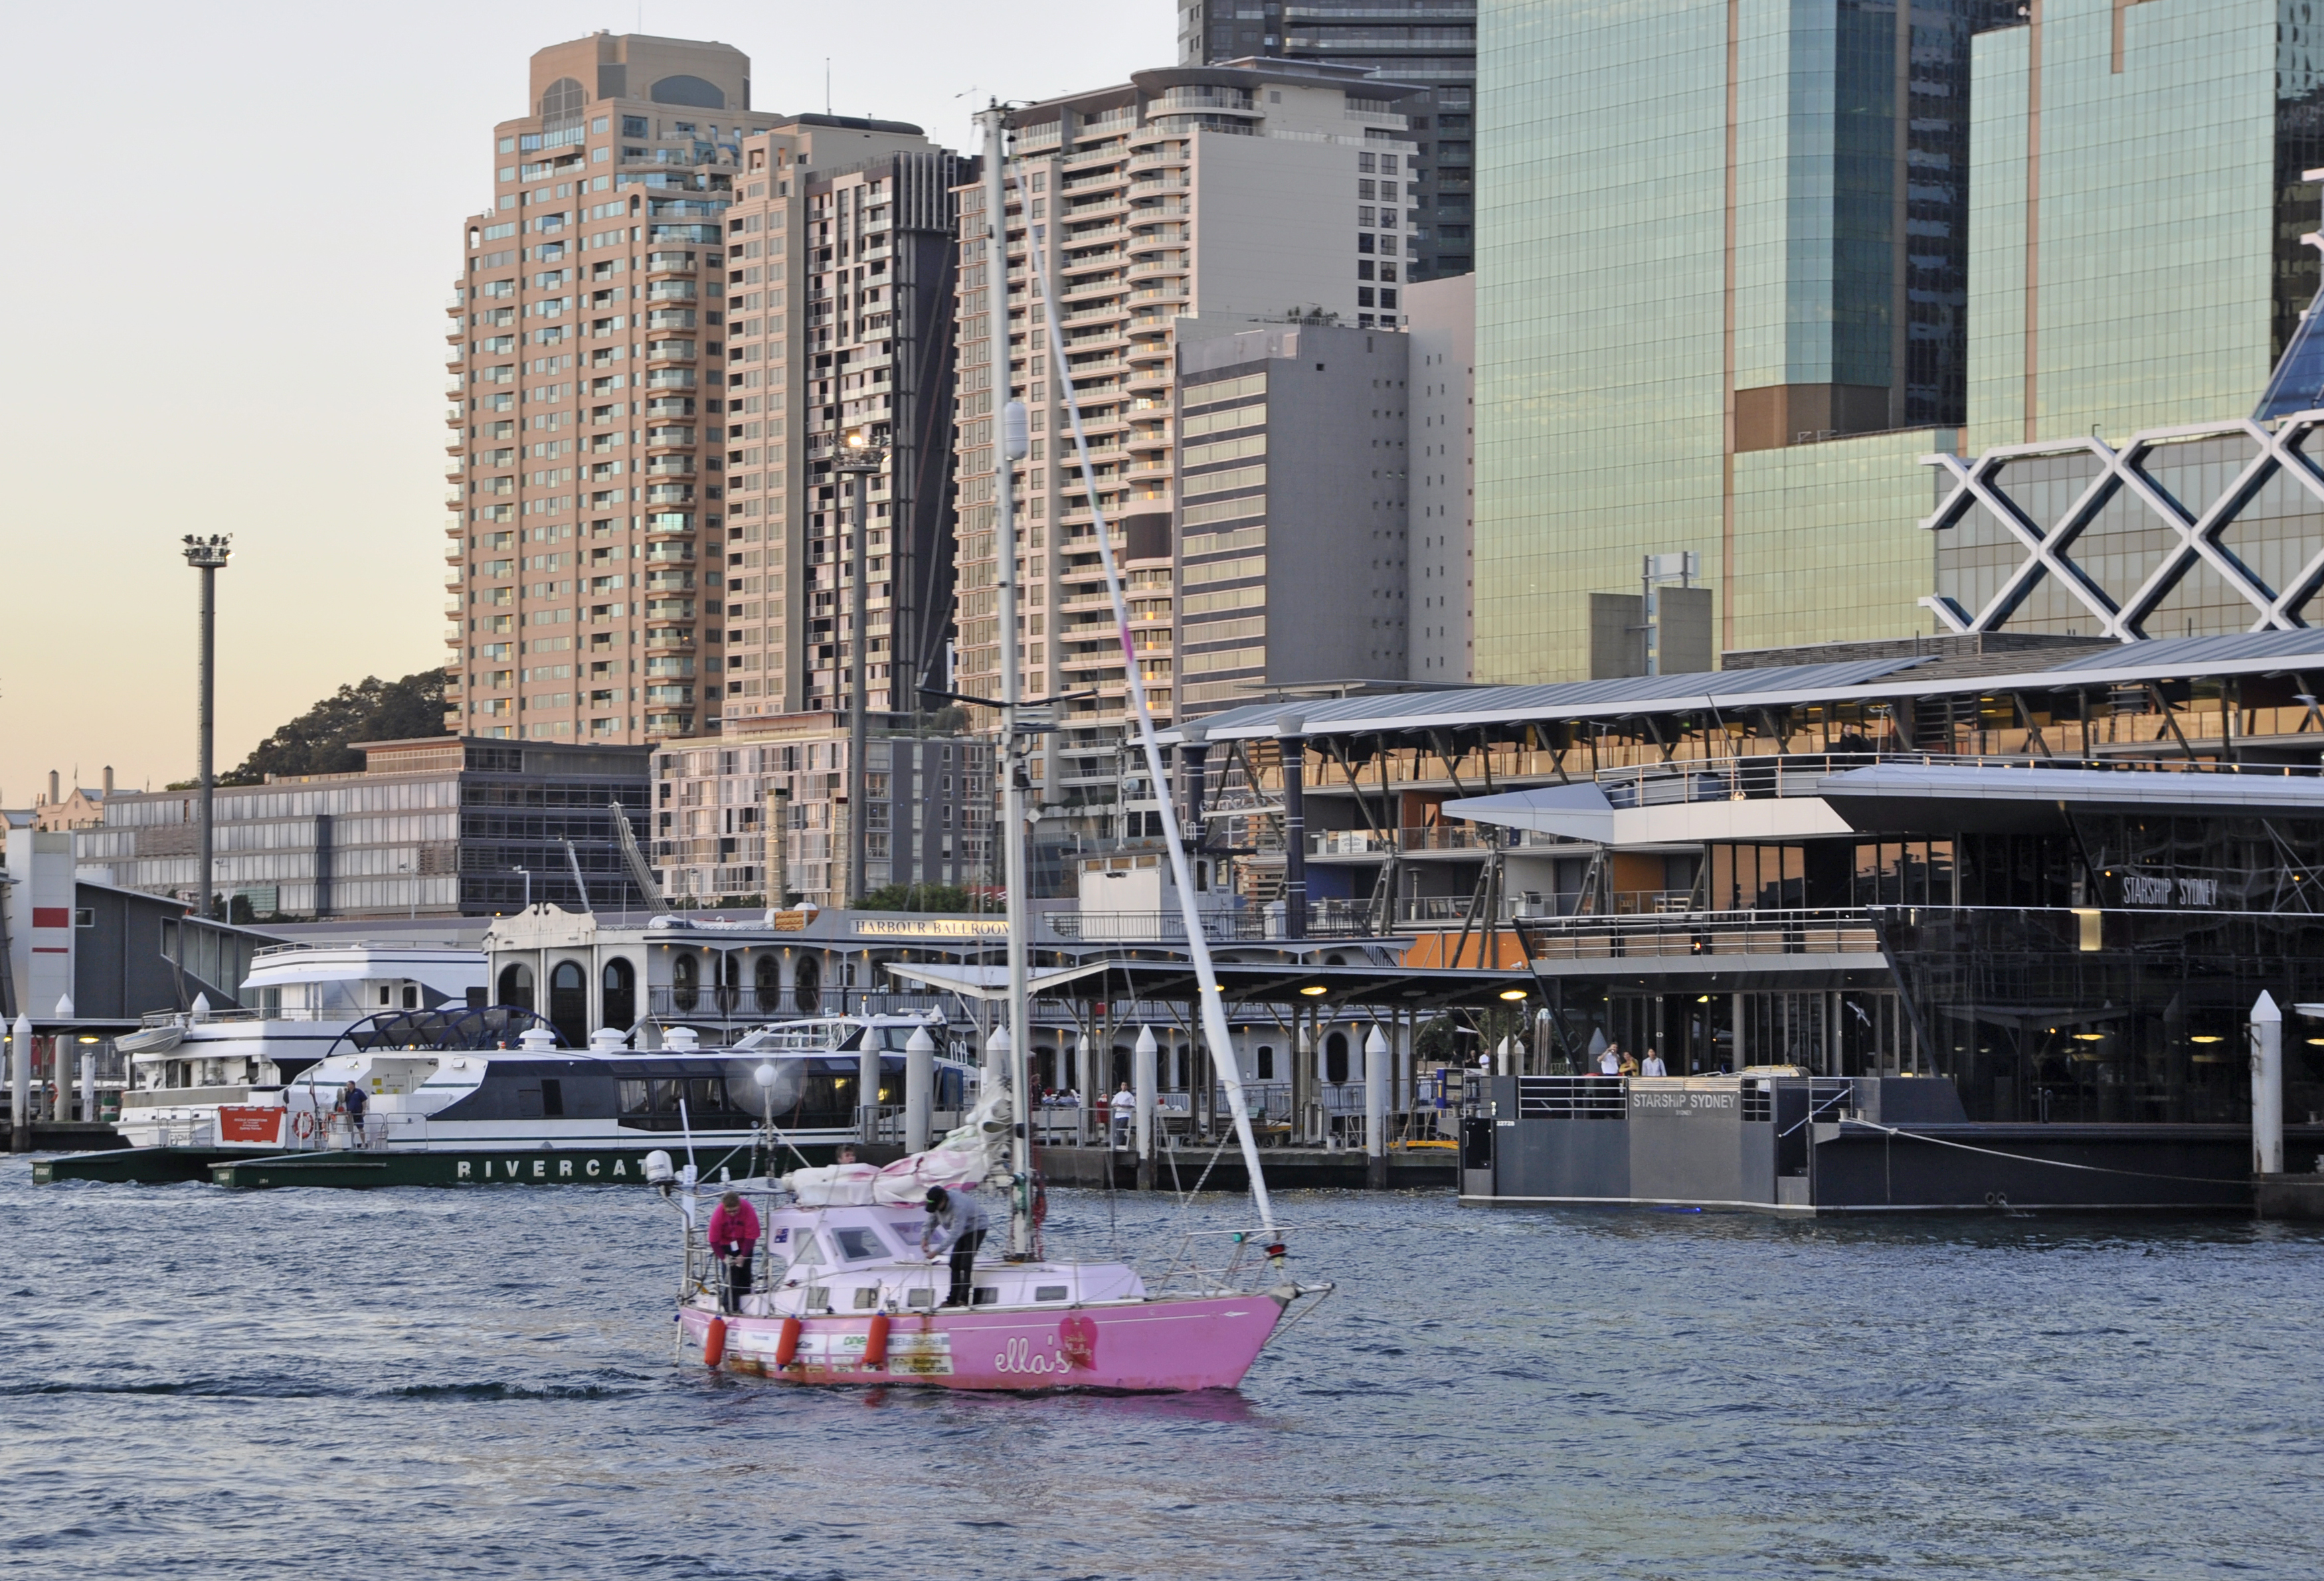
207	556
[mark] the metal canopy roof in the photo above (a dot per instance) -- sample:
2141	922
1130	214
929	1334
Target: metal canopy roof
1497	705
1741	691
2182	653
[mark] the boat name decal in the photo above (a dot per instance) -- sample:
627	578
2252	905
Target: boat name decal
1017	1356
514	1170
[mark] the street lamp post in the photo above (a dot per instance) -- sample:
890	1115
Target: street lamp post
861	460
207	556
528	887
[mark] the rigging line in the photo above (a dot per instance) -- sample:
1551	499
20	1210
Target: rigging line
1894	1132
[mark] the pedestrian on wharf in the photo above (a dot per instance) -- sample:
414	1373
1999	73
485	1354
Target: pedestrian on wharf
1629	1066
1654	1065
955	1226
1609	1060
733	1234
1121	1111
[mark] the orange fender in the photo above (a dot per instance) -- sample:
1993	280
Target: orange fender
875	1344
787	1343
714	1343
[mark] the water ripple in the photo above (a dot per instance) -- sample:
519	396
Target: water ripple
481	1383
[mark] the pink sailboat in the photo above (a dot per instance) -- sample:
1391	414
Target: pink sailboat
842	1292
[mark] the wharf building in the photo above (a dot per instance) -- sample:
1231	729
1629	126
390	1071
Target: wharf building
438	826
1429	44
1221	198
762	812
629	540
2038	881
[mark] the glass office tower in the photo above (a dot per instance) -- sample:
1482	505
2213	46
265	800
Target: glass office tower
1722	242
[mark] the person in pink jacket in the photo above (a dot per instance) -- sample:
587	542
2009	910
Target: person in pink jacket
733	1234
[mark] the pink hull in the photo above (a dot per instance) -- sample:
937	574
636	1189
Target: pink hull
1198	1343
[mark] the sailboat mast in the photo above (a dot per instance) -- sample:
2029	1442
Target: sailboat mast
1010	426
1198	946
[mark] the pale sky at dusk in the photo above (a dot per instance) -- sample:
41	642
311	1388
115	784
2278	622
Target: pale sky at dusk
236	228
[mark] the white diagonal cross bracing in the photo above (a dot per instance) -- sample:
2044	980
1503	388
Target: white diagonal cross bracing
2122	615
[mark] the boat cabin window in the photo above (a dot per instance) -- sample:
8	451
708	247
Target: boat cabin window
919	1298
857	1245
1048	1292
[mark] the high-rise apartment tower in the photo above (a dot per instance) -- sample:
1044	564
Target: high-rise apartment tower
1188	200
1431	44
630	432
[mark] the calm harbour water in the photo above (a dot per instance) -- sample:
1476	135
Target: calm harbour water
480	1382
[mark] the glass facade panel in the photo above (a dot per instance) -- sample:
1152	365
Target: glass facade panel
2154	259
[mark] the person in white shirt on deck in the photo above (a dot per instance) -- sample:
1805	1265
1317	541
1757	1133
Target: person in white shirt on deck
1653	1065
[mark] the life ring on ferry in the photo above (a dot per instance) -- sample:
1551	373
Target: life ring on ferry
302	1123
714	1343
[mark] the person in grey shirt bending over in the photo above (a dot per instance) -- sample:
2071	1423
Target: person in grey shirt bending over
956	1224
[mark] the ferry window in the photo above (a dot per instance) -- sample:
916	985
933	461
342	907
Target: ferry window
634	1098
552	1096
857	1245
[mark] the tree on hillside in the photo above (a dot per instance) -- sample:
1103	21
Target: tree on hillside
919	898
371	710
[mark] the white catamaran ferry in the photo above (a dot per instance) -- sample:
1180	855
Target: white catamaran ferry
188	1067
479	1097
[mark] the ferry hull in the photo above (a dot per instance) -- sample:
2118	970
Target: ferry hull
1167	1346
574	1164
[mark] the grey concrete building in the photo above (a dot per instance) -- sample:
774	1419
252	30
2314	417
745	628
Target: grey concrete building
1292	486
1443	317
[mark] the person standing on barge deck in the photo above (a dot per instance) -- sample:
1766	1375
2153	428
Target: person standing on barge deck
956	1224
733	1234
